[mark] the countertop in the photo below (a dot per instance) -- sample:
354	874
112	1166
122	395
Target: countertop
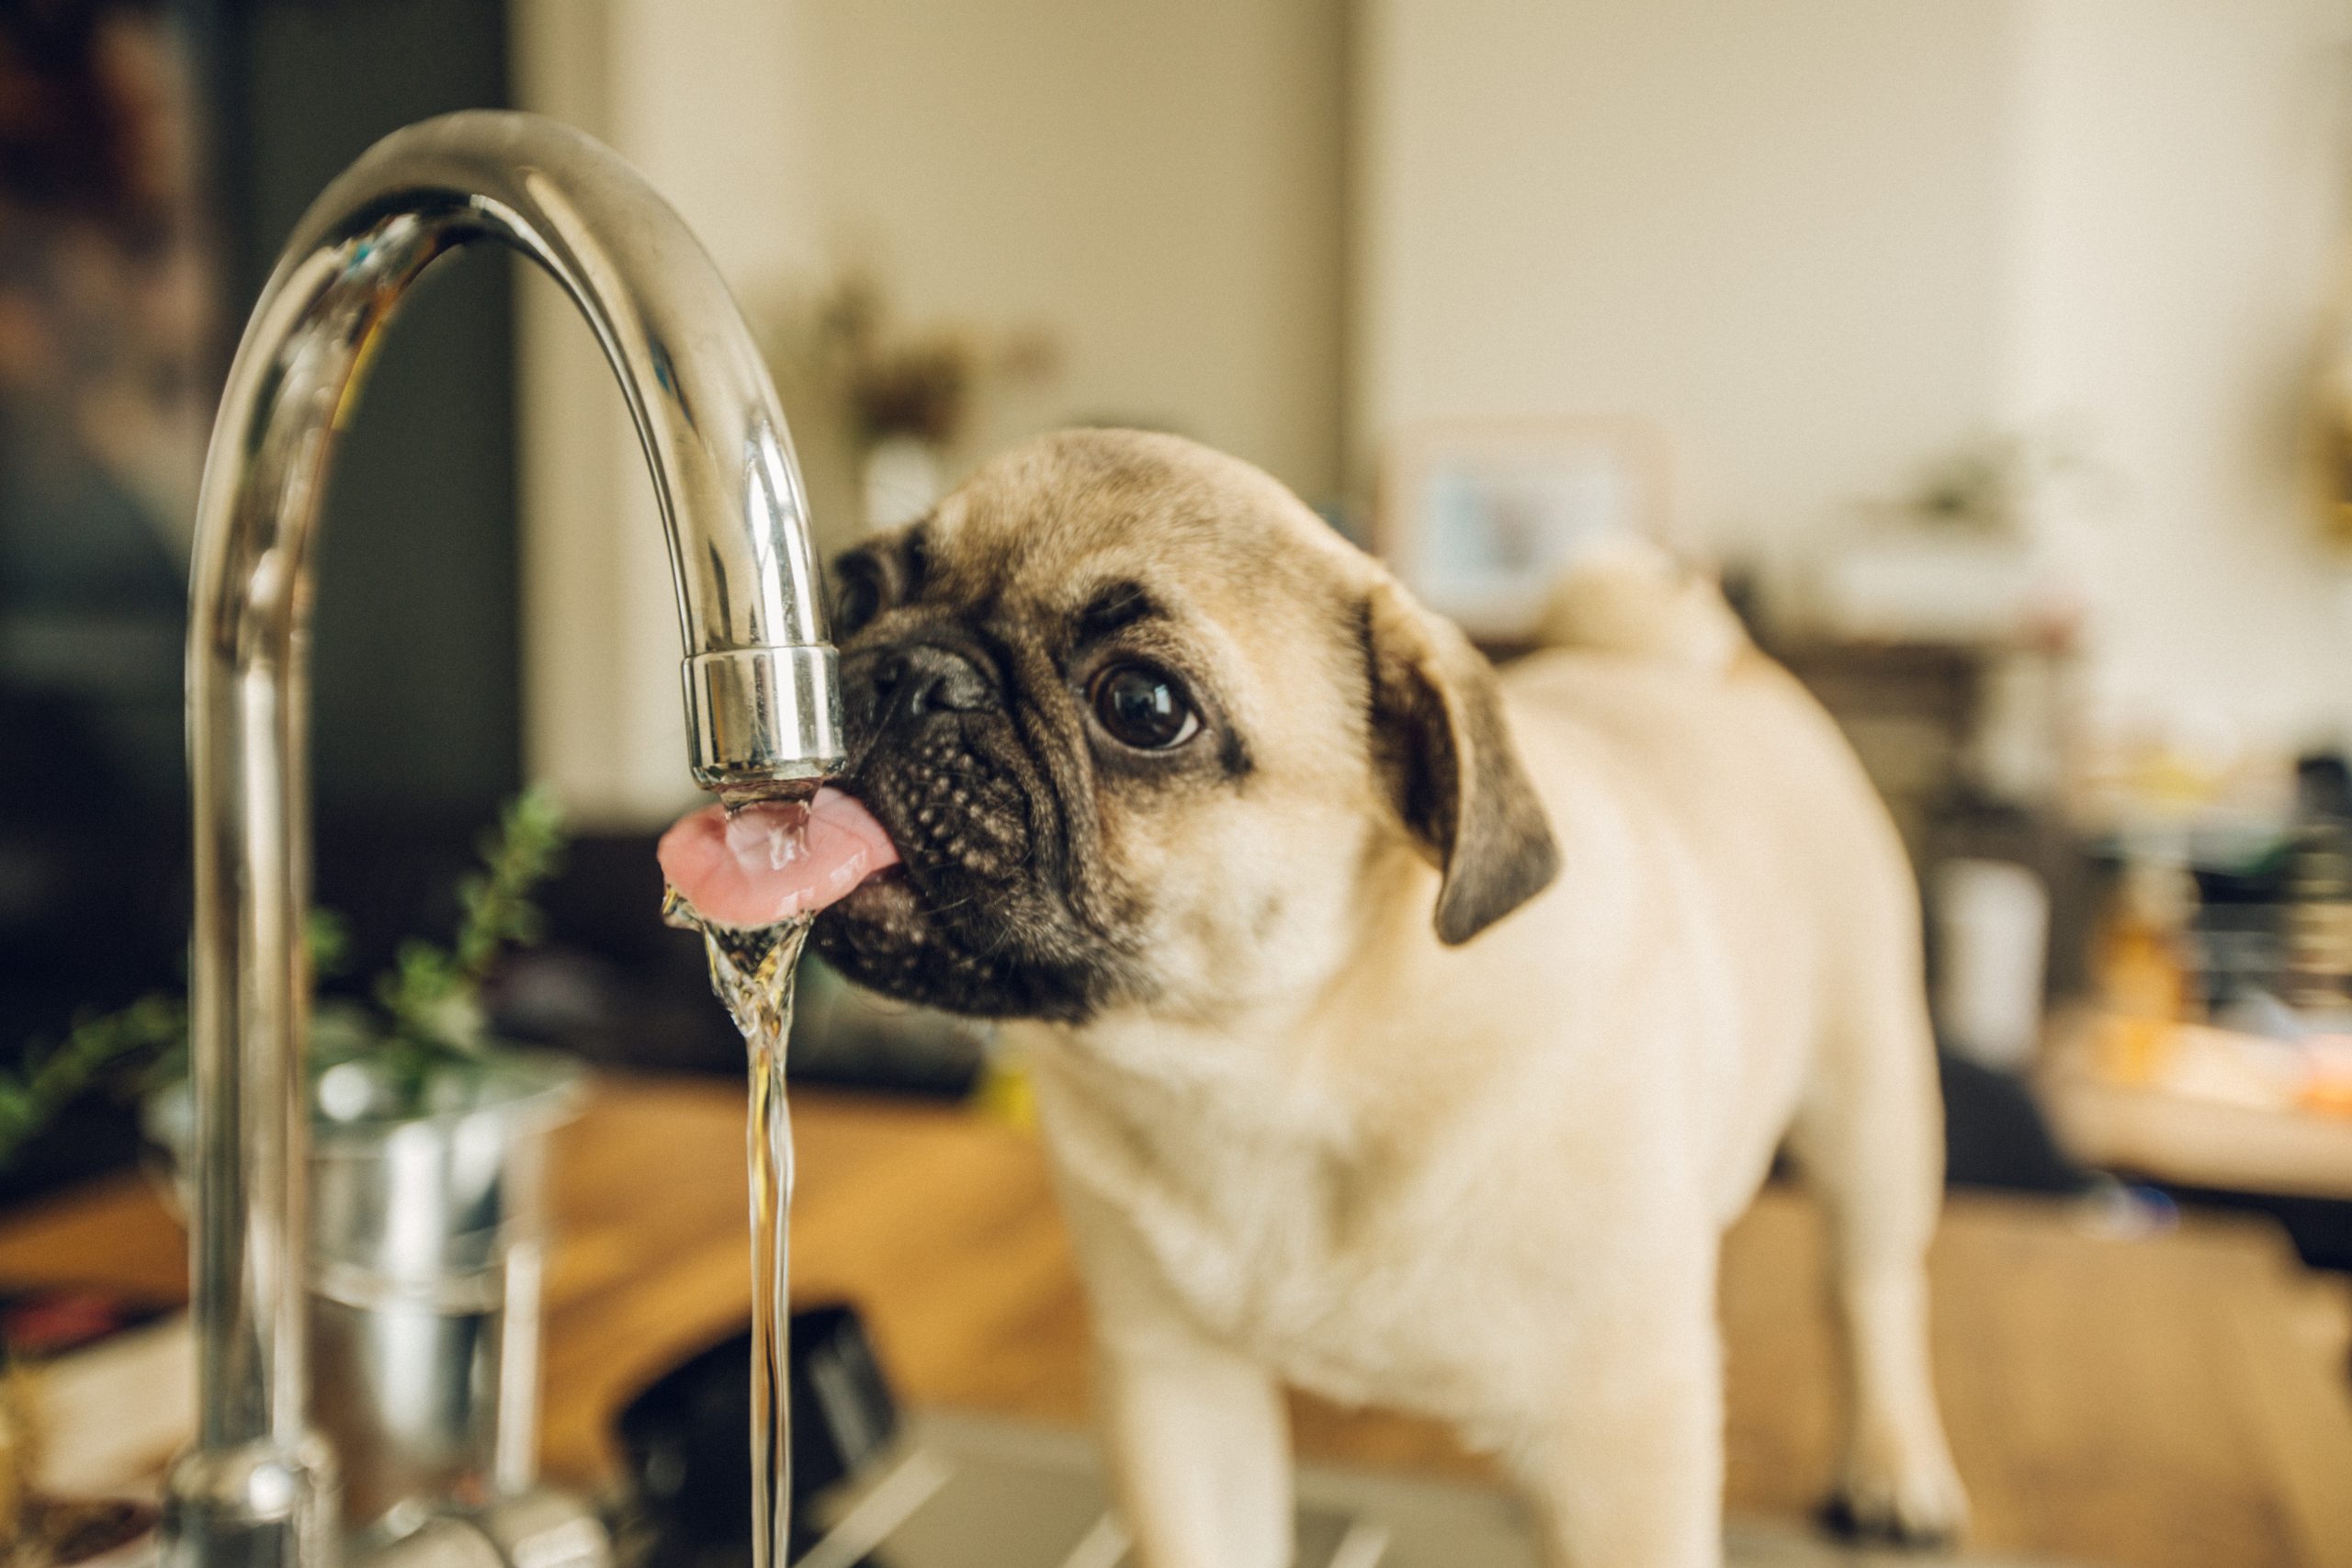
2178	1400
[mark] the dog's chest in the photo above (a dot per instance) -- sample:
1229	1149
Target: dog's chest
1314	1261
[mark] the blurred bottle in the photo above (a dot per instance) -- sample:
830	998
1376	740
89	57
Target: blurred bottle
2143	967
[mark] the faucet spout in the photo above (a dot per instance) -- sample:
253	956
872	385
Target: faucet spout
762	703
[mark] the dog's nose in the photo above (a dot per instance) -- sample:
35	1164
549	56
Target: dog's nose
924	678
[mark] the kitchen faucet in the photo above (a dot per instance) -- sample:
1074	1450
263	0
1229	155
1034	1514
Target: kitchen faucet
257	1487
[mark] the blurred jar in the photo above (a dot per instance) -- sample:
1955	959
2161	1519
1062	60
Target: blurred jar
2318	924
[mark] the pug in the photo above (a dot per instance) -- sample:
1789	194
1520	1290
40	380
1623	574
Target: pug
1402	1030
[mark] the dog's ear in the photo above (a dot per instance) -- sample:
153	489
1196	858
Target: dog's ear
1441	745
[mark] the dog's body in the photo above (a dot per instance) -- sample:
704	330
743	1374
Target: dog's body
1479	1170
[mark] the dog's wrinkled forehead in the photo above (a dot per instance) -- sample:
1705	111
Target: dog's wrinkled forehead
1096	526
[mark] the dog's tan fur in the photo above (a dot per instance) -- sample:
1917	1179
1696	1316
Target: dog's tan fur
1370	1128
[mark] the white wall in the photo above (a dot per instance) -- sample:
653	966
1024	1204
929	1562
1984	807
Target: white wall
1157	180
2179	245
1826	241
1775	227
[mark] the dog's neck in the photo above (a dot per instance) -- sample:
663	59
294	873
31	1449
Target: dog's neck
1263	1056
1262	1153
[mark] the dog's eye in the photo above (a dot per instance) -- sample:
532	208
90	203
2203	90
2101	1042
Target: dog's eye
1143	707
858	599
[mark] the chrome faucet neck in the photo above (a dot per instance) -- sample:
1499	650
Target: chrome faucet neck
762	700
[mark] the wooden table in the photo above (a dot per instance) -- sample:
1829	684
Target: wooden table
2175	1402
2147	1130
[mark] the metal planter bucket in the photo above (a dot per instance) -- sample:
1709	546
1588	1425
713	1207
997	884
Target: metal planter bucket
428	1238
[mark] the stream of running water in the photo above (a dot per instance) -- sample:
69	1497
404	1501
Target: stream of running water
752	970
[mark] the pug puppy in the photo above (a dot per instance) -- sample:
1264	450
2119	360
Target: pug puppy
1401	1031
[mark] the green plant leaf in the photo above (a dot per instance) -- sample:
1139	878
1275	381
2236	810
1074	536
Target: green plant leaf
429	1017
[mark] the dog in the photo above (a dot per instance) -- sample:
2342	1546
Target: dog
1401	1030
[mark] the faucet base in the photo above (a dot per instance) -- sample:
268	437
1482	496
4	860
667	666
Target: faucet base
257	1506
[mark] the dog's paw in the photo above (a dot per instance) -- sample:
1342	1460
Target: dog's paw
1926	1511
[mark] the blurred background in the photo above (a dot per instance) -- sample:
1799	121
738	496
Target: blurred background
1997	352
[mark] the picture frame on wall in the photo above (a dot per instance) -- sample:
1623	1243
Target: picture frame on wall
1479	517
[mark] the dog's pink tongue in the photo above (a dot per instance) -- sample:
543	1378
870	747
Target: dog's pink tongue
775	859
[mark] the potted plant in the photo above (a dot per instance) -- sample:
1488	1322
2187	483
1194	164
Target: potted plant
427	1167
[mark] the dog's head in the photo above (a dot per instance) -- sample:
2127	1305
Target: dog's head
1141	726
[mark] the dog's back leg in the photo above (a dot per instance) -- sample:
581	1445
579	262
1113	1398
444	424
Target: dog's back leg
1870	1138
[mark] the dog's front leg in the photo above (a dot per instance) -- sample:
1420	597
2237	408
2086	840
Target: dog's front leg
1625	1464
1200	1453
1199	1447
